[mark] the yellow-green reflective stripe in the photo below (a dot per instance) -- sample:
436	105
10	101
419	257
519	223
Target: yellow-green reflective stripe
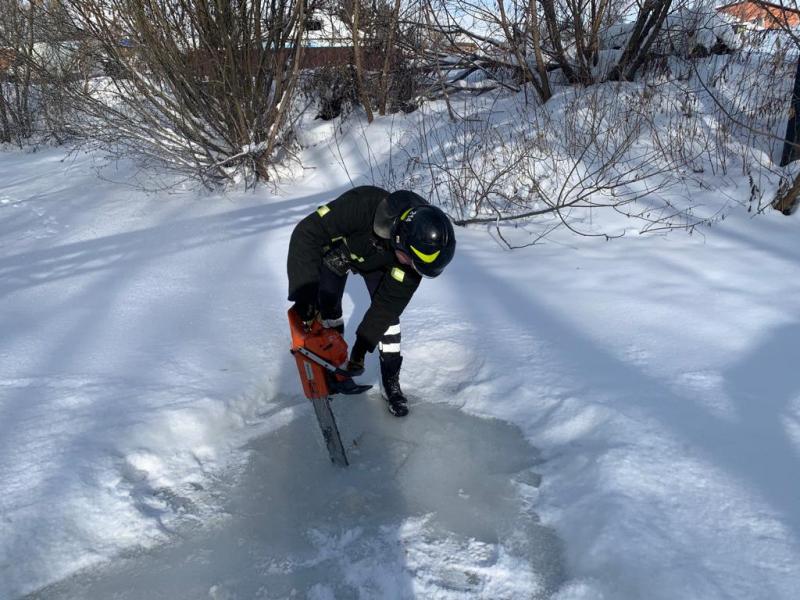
405	214
356	257
426	258
323	210
398	274
336	239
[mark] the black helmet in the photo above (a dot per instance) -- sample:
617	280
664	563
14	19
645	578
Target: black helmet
426	235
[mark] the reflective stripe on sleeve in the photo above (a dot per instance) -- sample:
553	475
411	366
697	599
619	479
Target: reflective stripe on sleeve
323	210
398	274
392	330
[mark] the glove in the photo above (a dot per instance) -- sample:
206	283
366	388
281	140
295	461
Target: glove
337	259
305	302
306	312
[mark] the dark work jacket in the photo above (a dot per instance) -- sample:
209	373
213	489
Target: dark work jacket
360	218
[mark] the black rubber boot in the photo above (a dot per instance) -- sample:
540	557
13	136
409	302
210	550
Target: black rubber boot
390	376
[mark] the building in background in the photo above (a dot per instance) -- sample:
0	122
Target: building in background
766	15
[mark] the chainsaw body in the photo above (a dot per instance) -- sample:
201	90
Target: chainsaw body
318	352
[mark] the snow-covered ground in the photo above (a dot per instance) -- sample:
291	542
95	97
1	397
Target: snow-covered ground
147	396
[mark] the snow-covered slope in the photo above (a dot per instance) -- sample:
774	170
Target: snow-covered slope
144	345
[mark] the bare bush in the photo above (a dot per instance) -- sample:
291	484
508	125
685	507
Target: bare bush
779	14
748	95
332	88
202	87
385	43
597	149
550	43
42	56
18	111
642	150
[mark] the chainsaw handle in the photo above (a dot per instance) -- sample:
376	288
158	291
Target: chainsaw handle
321	362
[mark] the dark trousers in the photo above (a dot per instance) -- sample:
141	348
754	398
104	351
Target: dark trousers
331	290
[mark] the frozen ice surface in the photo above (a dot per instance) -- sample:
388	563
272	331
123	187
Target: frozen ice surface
437	505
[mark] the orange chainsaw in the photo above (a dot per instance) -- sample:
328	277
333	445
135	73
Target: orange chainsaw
319	352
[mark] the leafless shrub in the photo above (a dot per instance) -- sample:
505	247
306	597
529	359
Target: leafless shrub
385	43
535	38
504	160
642	150
202	87
332	88
18	111
42	56
734	110
781	15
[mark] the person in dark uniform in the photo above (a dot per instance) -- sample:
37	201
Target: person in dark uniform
392	240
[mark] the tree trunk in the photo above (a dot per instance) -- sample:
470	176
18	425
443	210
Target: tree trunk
359	66
388	53
581	50
790	150
551	20
518	52
648	25
5	127
652	31
786	200
536	42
